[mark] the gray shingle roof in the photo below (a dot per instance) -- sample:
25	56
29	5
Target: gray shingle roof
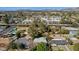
58	42
23	41
39	40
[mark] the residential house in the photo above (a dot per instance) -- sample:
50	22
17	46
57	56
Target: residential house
27	21
2	28
72	30
52	20
58	42
24	41
39	40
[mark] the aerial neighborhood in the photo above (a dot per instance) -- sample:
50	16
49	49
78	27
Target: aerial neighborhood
48	30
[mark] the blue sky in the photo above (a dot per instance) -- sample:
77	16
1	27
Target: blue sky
29	8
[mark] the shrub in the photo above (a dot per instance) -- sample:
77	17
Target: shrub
69	41
77	37
22	46
14	46
18	34
40	47
76	47
64	31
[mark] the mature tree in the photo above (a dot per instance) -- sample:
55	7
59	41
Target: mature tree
6	19
13	45
69	41
66	18
37	28
64	31
18	34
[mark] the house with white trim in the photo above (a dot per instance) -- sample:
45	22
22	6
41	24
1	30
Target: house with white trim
72	30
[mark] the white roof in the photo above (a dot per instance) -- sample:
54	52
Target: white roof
71	28
73	38
27	20
41	39
57	39
58	42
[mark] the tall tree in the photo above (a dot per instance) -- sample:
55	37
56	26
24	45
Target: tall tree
6	19
37	28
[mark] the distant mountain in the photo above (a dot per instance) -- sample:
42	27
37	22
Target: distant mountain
31	8
53	9
2	9
71	9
